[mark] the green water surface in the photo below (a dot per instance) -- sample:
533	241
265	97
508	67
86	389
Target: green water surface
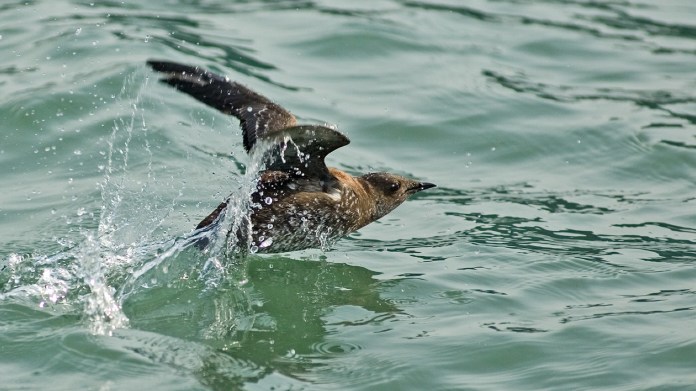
558	251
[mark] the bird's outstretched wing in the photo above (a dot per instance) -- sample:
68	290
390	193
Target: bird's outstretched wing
258	116
296	149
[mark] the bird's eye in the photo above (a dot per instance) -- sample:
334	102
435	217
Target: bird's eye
394	187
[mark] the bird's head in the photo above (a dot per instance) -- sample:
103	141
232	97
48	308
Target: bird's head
391	190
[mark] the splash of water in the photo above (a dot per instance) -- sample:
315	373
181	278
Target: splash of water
95	274
77	279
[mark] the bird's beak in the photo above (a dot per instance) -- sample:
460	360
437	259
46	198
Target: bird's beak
420	187
425	185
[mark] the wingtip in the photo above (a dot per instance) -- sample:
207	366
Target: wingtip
165	66
156	65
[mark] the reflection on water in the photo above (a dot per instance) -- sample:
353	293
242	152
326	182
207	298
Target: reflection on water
271	312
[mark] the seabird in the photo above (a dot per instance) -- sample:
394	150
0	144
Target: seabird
298	201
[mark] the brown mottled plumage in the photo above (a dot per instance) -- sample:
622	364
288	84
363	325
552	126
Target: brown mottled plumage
299	202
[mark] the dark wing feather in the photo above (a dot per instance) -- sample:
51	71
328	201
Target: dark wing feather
300	150
258	116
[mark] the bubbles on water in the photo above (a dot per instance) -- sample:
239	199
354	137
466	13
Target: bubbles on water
268	200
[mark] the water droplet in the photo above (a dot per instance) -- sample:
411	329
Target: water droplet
77	152
249	109
78	31
268	200
266	243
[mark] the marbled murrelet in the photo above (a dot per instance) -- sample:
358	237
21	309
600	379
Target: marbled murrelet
299	203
